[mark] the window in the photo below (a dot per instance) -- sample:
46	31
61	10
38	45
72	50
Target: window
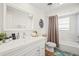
64	23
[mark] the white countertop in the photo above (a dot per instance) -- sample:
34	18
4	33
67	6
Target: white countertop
18	42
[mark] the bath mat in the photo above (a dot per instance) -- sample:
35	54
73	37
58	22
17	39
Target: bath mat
59	52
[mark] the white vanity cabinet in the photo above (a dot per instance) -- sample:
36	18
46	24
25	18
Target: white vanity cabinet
39	50
33	47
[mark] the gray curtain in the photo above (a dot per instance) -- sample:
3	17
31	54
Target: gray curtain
53	34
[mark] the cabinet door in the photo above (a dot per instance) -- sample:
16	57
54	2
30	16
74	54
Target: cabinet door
42	51
34	49
37	51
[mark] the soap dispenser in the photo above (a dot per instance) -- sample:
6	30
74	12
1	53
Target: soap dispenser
13	36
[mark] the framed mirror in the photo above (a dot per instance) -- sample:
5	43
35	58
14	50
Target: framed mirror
41	23
16	19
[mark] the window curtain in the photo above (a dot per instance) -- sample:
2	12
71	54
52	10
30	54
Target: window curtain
53	34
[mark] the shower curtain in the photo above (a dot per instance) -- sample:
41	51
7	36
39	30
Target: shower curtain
53	35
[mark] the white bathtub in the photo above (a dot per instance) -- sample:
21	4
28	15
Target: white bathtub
72	47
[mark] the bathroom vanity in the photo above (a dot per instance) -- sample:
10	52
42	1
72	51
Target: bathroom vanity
31	46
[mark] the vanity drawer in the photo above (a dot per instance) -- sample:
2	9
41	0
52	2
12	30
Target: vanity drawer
33	49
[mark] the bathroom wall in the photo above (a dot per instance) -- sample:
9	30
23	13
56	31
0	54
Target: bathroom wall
69	35
37	15
1	16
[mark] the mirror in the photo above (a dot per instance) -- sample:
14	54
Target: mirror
41	23
17	19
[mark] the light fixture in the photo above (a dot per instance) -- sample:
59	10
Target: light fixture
54	4
61	3
49	4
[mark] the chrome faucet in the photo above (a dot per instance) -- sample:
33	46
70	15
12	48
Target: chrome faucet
18	35
24	34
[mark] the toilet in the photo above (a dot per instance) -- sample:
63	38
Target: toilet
49	50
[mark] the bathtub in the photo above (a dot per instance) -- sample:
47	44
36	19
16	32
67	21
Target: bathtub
72	47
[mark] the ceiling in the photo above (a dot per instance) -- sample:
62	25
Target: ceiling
47	8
